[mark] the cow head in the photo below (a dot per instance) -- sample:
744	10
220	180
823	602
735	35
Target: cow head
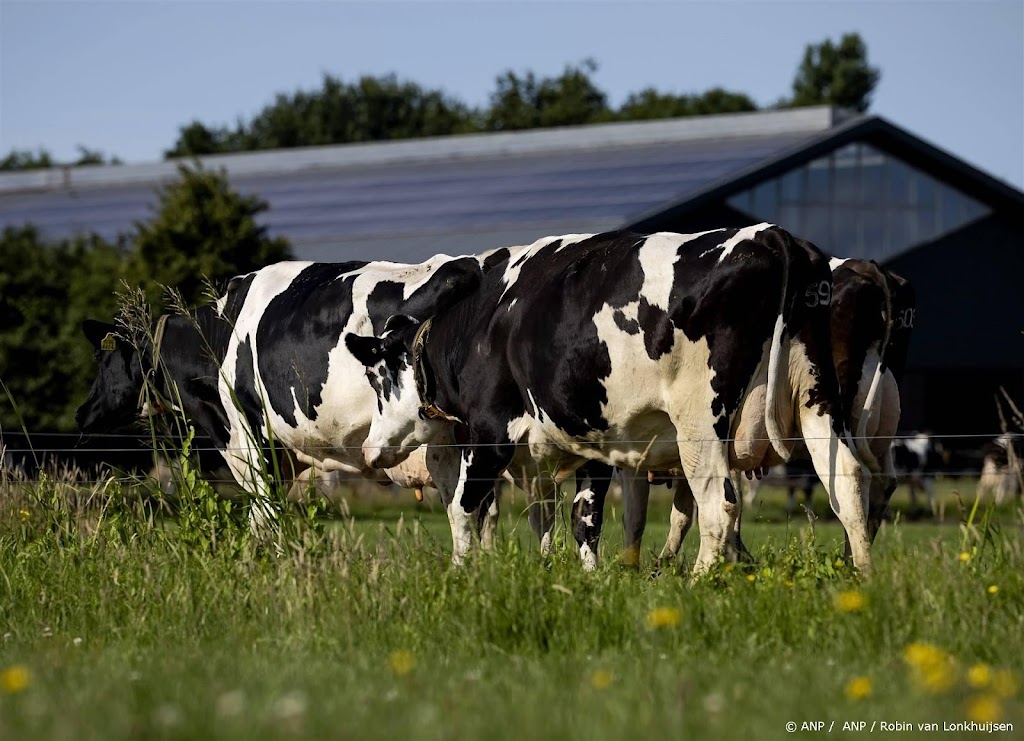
397	428
114	398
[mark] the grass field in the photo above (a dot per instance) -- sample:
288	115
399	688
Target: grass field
118	624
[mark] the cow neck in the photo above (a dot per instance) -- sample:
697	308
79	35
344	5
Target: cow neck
149	388
426	381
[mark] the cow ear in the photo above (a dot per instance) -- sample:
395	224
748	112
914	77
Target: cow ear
98	332
367	350
396	322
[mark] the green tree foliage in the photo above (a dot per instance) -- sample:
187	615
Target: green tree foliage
46	290
527	102
26	159
370	109
650	103
201	228
836	74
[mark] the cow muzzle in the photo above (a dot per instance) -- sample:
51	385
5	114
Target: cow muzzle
377	456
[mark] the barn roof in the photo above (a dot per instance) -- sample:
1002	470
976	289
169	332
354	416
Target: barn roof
406	200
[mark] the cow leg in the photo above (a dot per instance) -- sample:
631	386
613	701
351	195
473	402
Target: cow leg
479	465
737	538
683	509
706	465
636	491
487	518
882	487
844	478
592	482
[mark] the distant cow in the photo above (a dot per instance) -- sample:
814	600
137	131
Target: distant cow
918	457
1001	468
265	369
707	351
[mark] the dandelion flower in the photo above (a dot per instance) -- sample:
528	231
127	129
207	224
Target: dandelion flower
602	679
15	678
402	662
751	577
919	654
664	617
932	667
858	688
965	556
851	601
979	676
993	589
984	709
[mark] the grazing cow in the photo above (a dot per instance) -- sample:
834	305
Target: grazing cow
1001	468
707	351
264	370
871	321
917	458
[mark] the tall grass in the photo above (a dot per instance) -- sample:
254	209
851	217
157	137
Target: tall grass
118	623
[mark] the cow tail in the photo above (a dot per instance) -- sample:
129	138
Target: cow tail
778	363
873	400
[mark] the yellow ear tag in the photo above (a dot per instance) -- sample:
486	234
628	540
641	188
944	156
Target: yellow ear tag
108	343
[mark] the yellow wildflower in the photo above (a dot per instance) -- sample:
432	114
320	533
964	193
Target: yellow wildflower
858	688
984	709
664	617
965	556
993	589
751	577
1004	684
15	678
919	654
933	668
24	514
402	662
979	676
852	601
602	679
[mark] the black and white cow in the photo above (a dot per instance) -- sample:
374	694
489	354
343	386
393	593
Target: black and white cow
1001	468
872	318
265	370
708	352
917	457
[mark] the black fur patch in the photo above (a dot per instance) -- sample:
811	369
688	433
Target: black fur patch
298	330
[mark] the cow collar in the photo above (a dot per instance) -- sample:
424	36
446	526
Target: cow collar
425	385
149	389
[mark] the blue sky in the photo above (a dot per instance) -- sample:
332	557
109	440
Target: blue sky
123	76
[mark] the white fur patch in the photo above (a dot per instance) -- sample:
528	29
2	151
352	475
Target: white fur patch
743	234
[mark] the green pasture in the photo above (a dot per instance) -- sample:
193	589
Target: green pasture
120	621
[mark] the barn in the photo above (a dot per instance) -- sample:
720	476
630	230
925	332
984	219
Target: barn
856	185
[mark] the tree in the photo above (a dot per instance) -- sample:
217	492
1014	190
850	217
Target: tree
371	109
46	290
650	104
836	75
25	159
202	228
526	102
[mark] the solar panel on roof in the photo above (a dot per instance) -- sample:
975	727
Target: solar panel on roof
460	198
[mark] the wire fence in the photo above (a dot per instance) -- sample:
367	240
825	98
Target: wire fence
94	466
